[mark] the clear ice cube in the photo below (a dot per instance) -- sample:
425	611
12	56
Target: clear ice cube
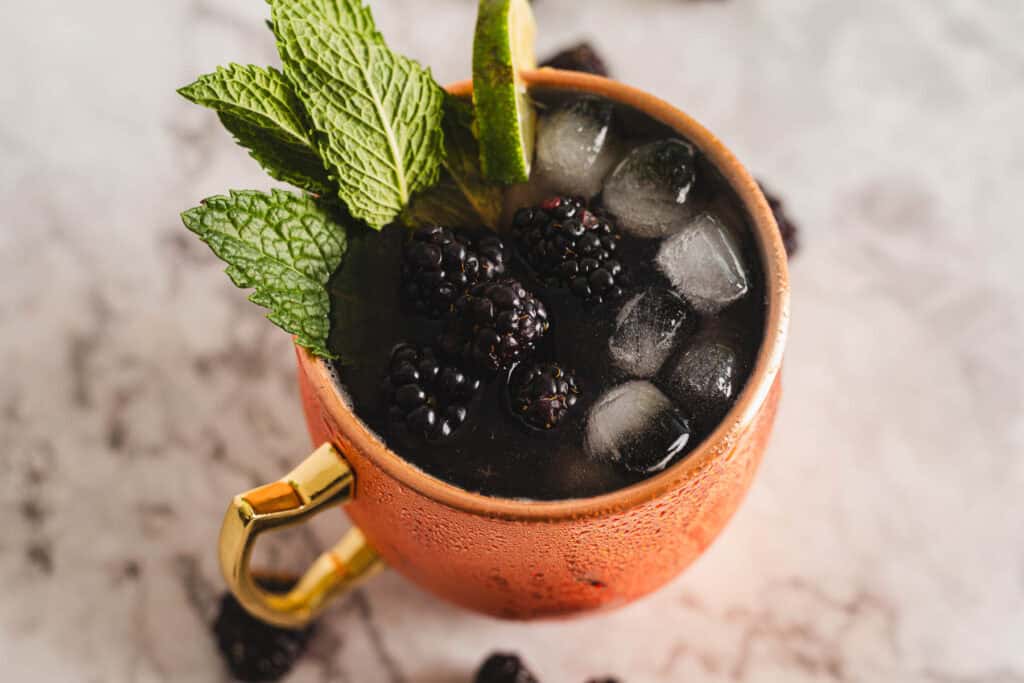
636	426
647	191
576	146
704	265
704	380
646	331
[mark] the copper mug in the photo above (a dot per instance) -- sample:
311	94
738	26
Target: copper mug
511	558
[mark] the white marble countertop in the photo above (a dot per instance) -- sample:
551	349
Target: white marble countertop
883	538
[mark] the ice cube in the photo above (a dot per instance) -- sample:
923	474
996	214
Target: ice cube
576	146
646	331
647	191
703	263
636	426
705	380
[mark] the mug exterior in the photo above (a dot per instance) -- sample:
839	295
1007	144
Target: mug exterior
521	559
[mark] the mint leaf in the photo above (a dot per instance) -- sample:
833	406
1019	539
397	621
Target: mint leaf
462	197
259	108
284	246
342	15
377	114
260	96
297	165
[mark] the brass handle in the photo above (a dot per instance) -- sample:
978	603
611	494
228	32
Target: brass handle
323	480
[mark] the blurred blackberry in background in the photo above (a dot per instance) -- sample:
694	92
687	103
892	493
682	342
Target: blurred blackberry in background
787	228
571	246
438	264
542	393
426	398
580	57
254	650
502	667
494	323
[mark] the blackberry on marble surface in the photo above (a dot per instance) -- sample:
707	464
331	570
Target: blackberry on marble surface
502	667
787	228
581	57
252	649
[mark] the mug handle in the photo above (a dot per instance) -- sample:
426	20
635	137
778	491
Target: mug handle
324	479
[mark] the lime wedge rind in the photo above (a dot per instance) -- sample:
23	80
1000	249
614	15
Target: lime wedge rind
503	45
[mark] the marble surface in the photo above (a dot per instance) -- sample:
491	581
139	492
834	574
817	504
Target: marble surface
883	538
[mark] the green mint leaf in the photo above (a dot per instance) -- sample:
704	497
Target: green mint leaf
258	107
462	197
297	165
342	15
284	246
377	114
259	95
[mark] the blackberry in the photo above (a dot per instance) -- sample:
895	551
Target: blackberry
494	323
581	57
254	650
542	393
787	228
570	246
502	667
438	264
426	398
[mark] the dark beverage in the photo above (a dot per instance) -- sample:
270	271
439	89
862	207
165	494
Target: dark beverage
630	367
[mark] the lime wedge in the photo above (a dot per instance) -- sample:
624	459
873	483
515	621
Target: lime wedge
502	47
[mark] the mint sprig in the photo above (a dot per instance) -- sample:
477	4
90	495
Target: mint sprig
283	245
346	119
377	114
260	109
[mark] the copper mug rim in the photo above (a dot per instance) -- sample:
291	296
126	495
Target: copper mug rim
766	367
